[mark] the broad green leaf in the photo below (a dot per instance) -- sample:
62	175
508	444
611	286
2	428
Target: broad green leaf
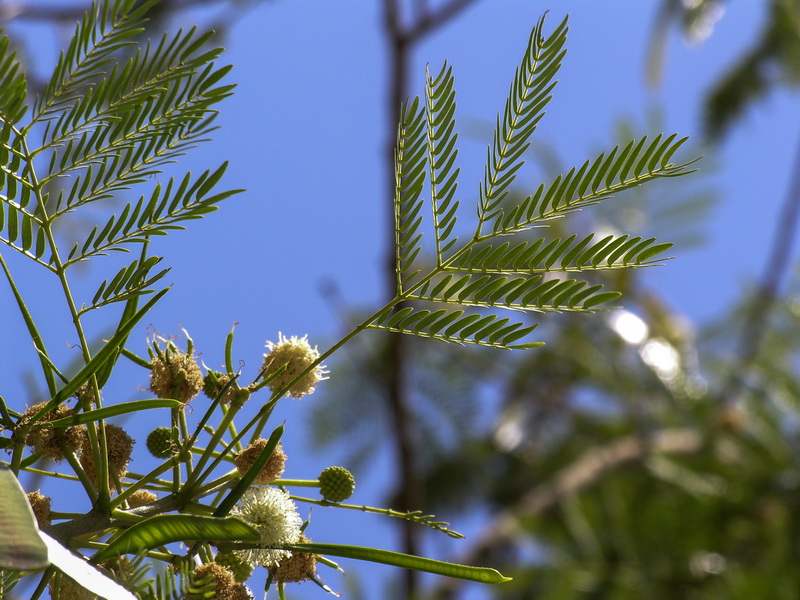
21	546
166	529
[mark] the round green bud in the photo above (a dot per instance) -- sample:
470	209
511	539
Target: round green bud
159	442
336	484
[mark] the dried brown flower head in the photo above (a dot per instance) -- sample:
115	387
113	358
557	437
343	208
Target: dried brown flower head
120	448
41	506
298	567
47	440
141	497
176	375
226	587
271	471
86	397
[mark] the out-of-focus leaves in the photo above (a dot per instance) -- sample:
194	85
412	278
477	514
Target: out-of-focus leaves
772	61
696	20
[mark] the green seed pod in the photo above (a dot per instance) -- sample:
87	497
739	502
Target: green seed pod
159	442
336	484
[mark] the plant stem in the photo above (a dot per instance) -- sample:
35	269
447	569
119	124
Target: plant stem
196	450
87	483
216	485
212	444
185	434
143	482
155	483
16	458
46	577
98	441
232	427
64	516
296	483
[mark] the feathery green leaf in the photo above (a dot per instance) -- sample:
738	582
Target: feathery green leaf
410	159
440	110
13	87
529	95
456	326
556	255
163	211
608	174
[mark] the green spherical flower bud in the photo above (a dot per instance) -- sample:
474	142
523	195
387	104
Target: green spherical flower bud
159	442
336	484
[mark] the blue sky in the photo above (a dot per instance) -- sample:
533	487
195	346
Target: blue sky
304	135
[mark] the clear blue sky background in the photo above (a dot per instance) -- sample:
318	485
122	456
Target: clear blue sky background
304	135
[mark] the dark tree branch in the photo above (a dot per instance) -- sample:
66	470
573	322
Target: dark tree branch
431	21
407	491
400	41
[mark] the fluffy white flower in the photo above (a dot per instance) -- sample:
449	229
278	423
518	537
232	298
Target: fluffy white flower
297	355
274	514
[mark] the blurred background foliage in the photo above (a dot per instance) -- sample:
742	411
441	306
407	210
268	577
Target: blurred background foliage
636	455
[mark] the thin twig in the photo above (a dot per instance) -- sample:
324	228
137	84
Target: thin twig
431	21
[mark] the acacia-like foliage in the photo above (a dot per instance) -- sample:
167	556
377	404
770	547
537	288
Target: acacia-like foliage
454	300
111	117
105	121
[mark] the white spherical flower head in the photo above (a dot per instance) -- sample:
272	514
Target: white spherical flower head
273	513
297	354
